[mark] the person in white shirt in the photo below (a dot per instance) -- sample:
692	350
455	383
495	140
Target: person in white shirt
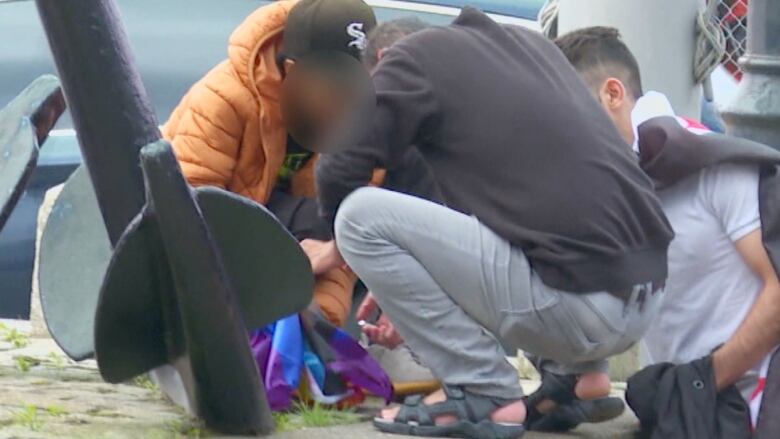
722	294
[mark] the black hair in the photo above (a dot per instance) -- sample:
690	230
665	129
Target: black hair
386	34
598	52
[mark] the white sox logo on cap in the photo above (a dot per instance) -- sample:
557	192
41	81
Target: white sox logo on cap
355	30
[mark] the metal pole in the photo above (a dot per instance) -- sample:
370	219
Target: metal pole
755	112
108	103
660	33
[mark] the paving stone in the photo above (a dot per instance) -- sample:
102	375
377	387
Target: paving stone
46	396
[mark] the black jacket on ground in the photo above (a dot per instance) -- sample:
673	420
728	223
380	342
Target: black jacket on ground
513	137
680	401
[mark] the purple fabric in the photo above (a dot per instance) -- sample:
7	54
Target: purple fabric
273	346
278	391
260	343
356	366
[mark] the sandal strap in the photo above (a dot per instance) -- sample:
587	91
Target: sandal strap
413	400
414	411
464	405
559	388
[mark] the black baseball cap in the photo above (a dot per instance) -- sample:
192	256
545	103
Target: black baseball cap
327	26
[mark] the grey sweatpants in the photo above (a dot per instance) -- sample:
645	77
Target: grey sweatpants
457	293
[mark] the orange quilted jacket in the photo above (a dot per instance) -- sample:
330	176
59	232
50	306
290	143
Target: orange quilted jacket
228	132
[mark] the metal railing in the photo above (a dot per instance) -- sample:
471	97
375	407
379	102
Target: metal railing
732	18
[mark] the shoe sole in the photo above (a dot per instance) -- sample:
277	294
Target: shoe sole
460	429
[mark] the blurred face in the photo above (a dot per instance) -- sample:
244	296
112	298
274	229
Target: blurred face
316	103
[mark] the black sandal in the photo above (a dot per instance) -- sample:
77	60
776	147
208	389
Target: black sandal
570	411
472	411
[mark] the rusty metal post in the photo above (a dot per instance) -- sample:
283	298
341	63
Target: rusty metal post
755	112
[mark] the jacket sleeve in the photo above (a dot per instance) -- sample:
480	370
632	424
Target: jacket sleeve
333	295
405	115
299	216
207	138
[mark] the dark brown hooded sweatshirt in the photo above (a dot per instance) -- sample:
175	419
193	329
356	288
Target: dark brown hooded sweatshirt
513	137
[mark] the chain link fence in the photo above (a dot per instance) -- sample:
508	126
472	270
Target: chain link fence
732	18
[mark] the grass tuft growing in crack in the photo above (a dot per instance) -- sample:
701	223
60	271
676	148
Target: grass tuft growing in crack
28	417
144	382
56	411
313	416
13	336
186	428
24	362
56	360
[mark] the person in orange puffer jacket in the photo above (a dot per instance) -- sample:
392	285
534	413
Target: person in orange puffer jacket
230	129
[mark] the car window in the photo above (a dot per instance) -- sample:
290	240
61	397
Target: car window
173	46
386	14
528	9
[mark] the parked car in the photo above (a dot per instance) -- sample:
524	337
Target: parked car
173	46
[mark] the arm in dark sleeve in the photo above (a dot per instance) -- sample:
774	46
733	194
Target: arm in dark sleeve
299	215
413	176
405	114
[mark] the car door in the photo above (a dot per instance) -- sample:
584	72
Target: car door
175	42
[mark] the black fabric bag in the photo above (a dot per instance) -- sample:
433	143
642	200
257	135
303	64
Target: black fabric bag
681	402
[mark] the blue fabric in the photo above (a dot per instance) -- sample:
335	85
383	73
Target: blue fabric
711	118
315	365
287	348
342	368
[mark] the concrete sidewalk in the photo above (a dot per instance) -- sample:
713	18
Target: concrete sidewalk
620	429
46	396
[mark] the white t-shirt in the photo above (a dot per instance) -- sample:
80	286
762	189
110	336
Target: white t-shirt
710	288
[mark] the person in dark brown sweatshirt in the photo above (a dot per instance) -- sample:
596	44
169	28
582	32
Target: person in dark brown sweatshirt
551	241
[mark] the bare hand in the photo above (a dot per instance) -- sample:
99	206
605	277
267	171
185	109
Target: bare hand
382	332
323	255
